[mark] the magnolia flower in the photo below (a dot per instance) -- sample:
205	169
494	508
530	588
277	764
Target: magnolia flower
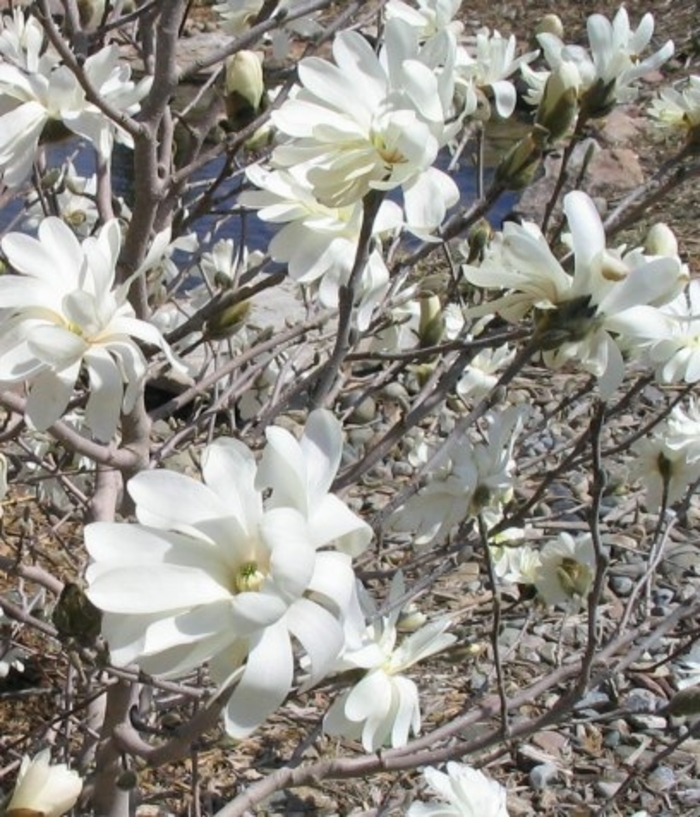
62	314
679	107
665	468
213	572
609	71
670	336
383	706
22	43
238	15
493	62
34	99
76	203
565	573
318	243
578	318
372	122
466	792
515	564
430	18
683	429
44	789
469	480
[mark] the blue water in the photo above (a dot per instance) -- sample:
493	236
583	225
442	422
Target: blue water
225	220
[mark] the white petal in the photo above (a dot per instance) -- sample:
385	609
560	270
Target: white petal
49	395
265	683
165	499
319	633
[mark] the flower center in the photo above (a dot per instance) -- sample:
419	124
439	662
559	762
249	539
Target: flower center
248	578
390	155
574	577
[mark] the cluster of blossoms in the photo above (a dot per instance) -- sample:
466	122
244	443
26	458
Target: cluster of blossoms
588	82
591	316
41	99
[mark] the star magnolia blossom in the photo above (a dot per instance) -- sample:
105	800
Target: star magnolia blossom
609	70
670	336
430	18
62	313
493	62
679	107
566	569
319	243
383	707
213	572
574	314
22	43
466	792
666	465
44	789
45	93
472	479
373	122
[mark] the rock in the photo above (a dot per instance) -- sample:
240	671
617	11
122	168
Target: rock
542	775
550	742
607	788
642	700
648	722
621	585
661	779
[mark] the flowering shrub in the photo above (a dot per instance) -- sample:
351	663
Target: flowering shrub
304	445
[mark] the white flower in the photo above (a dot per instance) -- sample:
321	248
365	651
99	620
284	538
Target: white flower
608	72
663	465
566	570
679	107
63	314
578	317
482	373
383	706
44	789
22	42
472	479
683	429
467	792
493	62
671	336
212	573
515	564
430	18
300	475
31	100
318	243
372	122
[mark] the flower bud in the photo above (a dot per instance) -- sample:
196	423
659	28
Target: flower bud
431	324
227	322
559	104
91	13
478	239
661	240
518	167
44	789
244	88
551	24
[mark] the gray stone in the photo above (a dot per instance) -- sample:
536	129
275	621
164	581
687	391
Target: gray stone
661	779
648	722
542	775
621	585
